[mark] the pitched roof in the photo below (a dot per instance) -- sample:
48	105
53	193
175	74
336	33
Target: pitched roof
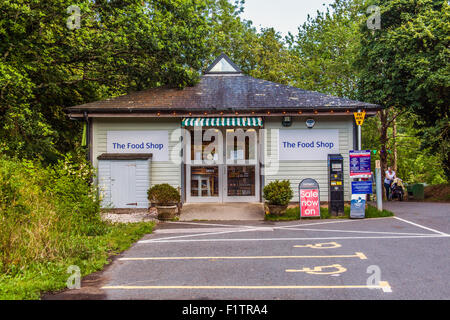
223	88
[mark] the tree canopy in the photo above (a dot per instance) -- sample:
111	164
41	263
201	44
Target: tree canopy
119	46
405	65
48	63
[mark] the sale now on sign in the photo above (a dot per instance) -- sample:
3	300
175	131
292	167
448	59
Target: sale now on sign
310	203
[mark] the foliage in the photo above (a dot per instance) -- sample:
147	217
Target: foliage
41	277
42	208
278	192
49	220
326	47
120	46
414	163
259	54
163	194
405	65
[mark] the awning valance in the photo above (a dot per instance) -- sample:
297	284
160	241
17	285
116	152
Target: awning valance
223	122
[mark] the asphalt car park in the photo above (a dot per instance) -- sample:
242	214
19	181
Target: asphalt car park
385	258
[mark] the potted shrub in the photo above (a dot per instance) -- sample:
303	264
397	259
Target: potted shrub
166	199
277	195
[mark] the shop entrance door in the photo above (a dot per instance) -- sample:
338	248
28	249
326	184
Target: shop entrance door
241	170
222	166
204	169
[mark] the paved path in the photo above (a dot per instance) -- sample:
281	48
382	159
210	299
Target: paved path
406	257
223	211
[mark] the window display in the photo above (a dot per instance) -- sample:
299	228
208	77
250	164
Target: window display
241	181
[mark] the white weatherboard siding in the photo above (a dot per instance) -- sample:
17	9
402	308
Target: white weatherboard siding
160	172
297	170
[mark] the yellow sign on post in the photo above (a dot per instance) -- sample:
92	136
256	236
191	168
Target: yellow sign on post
359	118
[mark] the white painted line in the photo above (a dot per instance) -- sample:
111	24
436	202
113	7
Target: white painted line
202	234
253	227
293	239
202	230
328	222
314	224
360	231
423	227
210	224
262	228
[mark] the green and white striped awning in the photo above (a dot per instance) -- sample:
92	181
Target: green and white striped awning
223	122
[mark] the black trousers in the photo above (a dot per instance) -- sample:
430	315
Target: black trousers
387	187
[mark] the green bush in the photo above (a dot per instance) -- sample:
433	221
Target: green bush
164	195
50	219
44	211
278	192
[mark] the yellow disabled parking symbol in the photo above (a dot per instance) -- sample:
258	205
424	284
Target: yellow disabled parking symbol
322	270
327	245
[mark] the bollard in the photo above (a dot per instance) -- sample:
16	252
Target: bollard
379	189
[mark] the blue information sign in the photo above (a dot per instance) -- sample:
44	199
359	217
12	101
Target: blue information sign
362	187
360	162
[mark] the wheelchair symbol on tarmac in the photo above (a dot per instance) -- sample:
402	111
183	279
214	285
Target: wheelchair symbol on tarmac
321	270
328	245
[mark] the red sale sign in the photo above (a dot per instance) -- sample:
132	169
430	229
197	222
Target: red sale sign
310	203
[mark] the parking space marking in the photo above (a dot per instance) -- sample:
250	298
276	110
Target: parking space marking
423	227
210	224
327	222
328	245
319	270
359	255
360	231
164	240
233	230
198	232
207	230
383	285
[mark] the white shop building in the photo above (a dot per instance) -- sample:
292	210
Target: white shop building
220	141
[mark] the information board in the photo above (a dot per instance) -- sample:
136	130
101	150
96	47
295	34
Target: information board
362	187
360	163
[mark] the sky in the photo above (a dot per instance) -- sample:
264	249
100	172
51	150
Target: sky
283	15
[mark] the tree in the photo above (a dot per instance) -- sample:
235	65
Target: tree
120	46
326	46
404	65
261	54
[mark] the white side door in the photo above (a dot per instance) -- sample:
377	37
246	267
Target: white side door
123	184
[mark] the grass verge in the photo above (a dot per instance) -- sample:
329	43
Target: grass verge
37	278
294	214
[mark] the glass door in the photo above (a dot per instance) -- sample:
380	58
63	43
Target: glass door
242	167
204	172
